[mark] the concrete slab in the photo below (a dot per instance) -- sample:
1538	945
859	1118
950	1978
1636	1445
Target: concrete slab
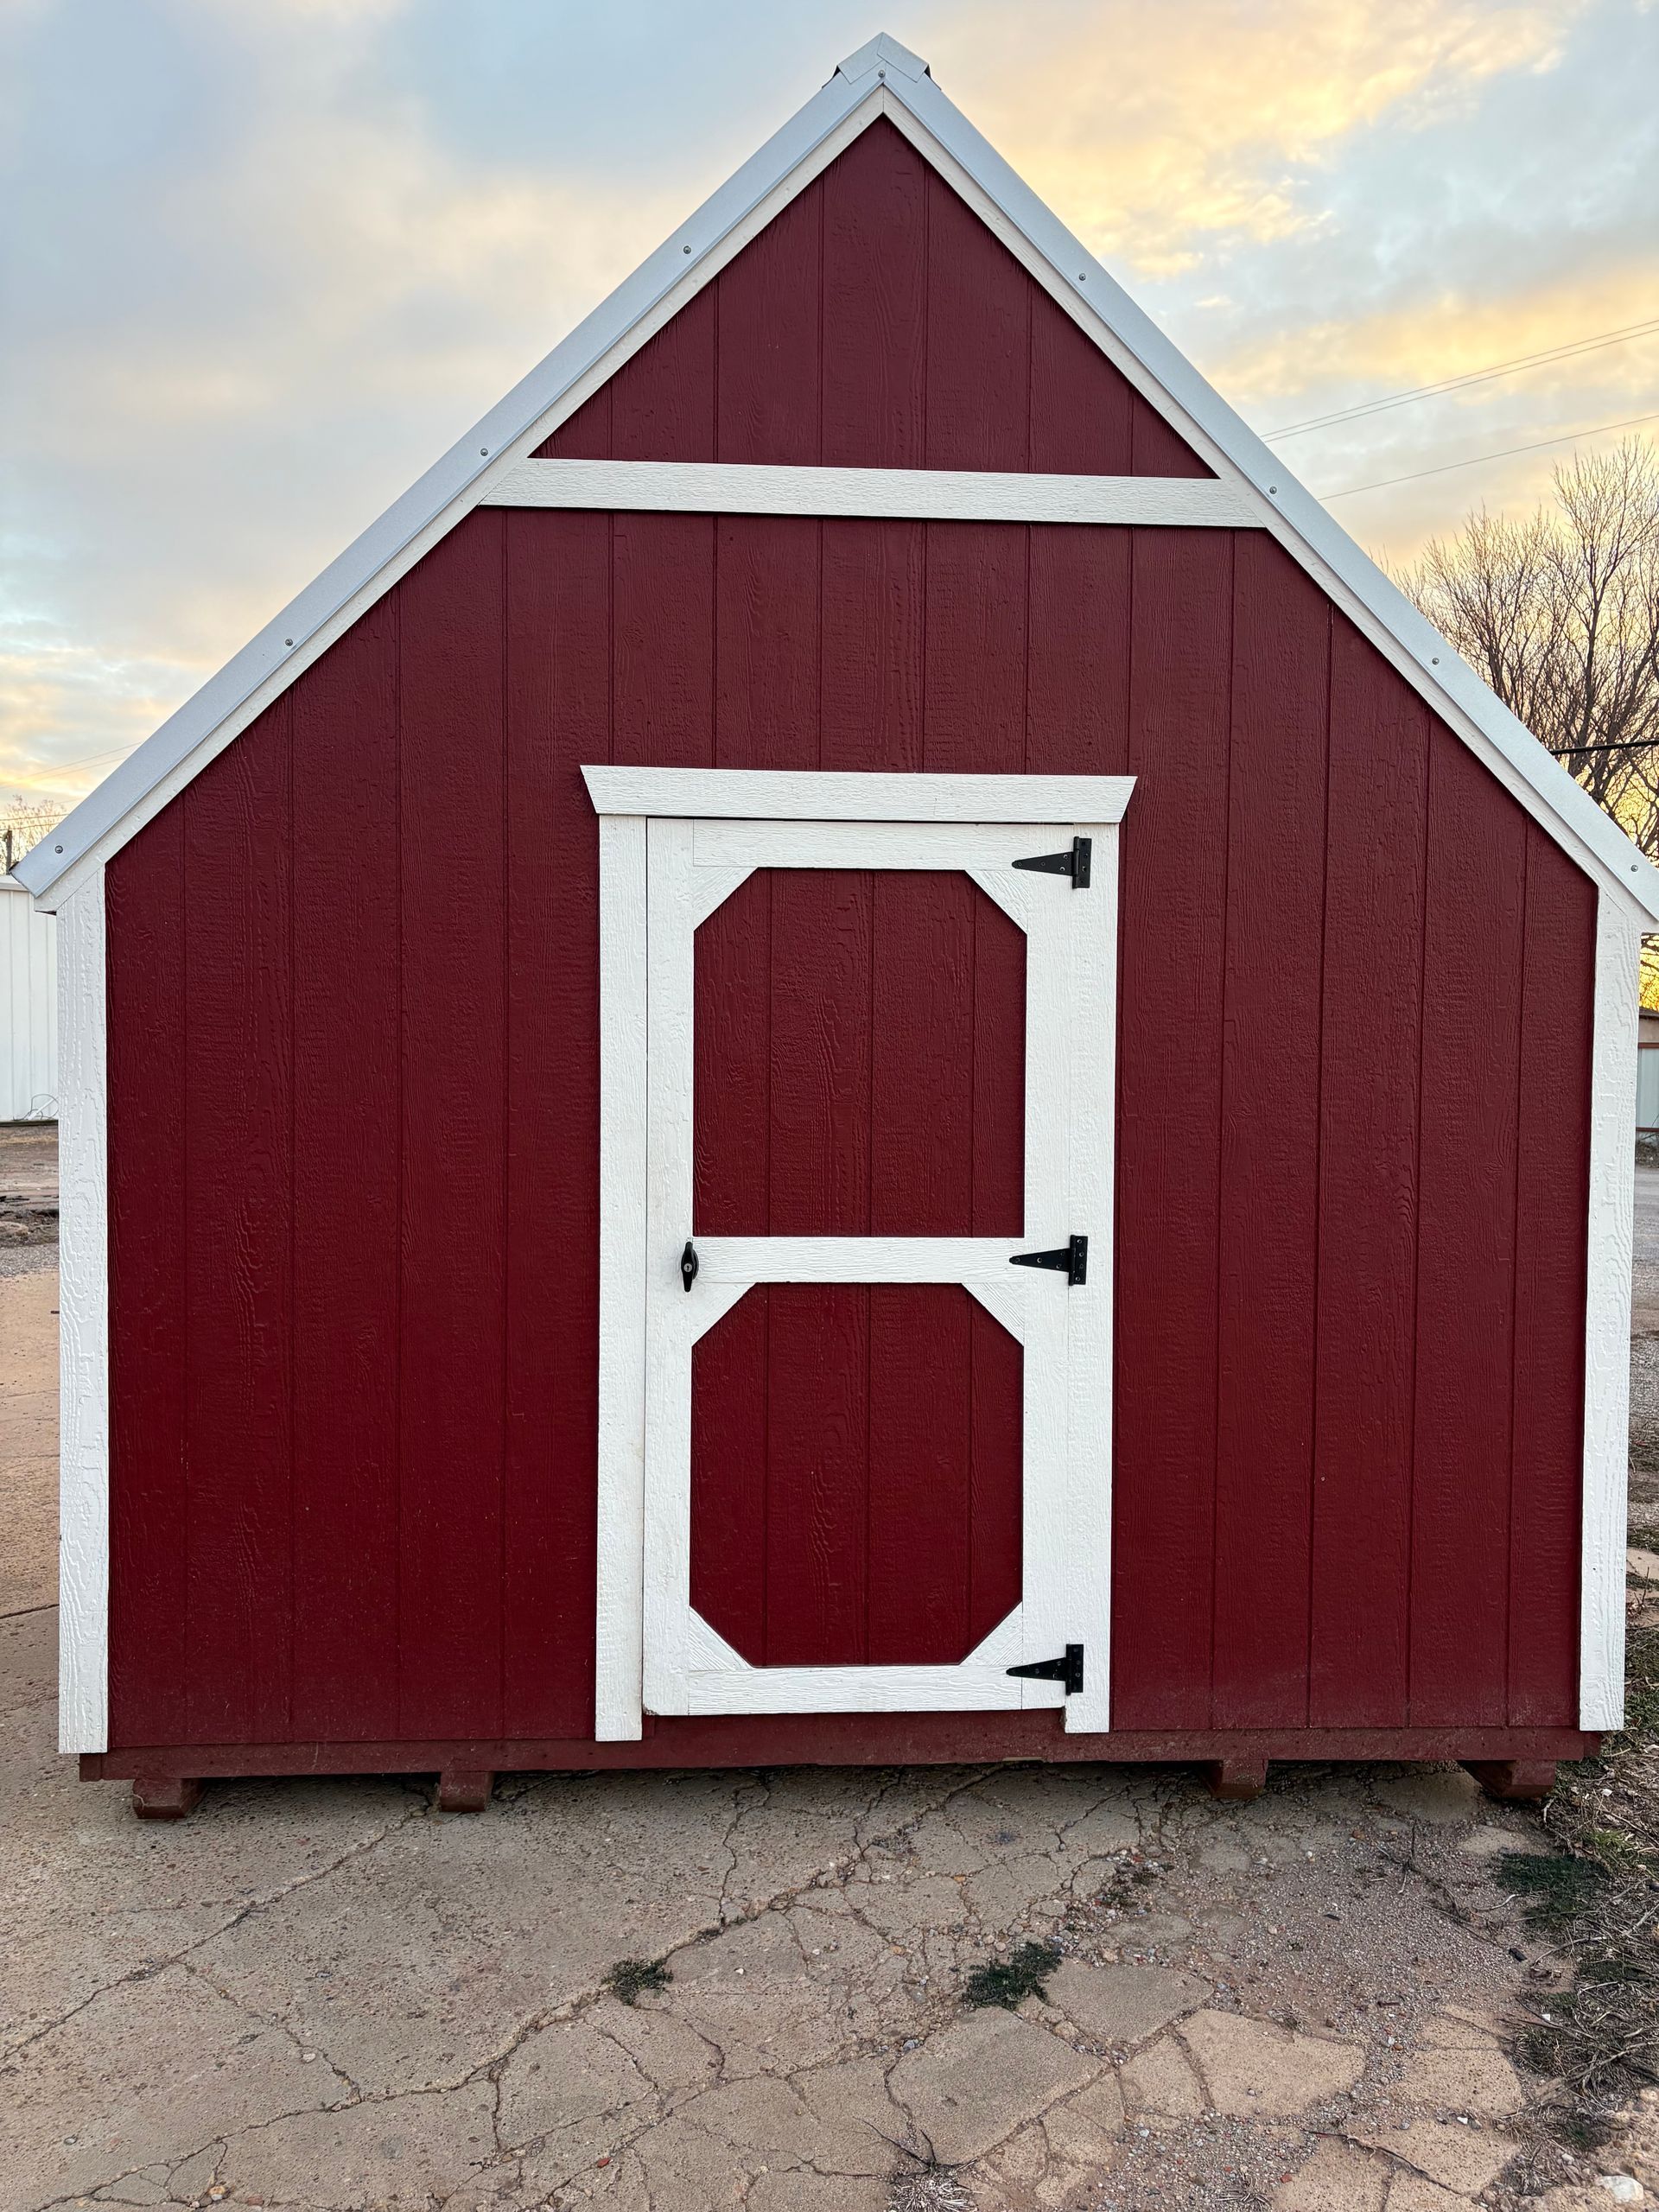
976	2080
1123	2005
1255	2069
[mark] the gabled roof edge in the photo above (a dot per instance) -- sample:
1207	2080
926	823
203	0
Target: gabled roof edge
885	67
1442	667
473	458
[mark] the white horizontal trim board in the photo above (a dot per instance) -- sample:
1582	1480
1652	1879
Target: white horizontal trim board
826	795
897	495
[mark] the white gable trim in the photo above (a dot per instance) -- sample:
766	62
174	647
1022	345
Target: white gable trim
881	77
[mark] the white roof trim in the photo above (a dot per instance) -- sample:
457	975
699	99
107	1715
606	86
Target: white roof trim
880	77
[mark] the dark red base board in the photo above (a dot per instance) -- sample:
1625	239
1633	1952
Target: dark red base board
842	1739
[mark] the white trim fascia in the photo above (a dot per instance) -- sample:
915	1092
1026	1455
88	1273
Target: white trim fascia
831	795
881	77
1607	1318
83	1329
1309	531
691	257
900	494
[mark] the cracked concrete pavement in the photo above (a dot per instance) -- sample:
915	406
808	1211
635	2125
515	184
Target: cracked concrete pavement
325	1994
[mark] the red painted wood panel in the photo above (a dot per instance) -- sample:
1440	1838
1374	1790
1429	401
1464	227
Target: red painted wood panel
860	1051
874	382
863	1508
1306	1117
453	802
146	936
1552	1193
1369	1123
347	1187
558	715
876	323
237	1292
1174	906
1270	1138
1472	970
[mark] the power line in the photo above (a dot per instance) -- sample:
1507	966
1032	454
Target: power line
67	767
1474	461
1568	350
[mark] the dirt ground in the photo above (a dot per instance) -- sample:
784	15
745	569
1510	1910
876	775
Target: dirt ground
326	1994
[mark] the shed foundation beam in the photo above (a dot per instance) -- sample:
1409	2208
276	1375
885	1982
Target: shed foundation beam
1237	1780
464	1789
1508	1779
165	1797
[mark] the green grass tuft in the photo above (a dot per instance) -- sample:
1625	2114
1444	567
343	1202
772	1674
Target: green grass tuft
1009	1981
629	1979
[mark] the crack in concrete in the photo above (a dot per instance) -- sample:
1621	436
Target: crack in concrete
150	1968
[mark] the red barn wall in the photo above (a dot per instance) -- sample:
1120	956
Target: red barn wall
353	1064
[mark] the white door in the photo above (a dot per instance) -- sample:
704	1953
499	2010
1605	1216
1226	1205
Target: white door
1049	1285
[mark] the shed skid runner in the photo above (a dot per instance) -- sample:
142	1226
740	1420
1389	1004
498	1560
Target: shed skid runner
848	1739
983	1108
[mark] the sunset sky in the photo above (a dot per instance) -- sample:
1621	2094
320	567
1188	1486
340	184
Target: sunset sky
265	259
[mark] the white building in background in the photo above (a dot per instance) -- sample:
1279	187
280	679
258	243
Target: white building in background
28	1007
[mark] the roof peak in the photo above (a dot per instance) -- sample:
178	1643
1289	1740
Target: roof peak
883	53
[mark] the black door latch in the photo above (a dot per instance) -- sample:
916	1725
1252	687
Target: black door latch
1068	1670
1074	863
688	1264
1071	1259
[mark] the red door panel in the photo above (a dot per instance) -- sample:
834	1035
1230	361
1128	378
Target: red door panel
856	1474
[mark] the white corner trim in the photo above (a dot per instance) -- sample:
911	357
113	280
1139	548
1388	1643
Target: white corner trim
1607	1317
619	1650
824	794
900	494
84	1333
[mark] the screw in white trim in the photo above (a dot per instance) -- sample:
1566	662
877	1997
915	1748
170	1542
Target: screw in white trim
685	249
1273	491
483	449
288	641
57	849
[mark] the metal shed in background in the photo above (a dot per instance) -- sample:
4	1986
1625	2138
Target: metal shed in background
28	1007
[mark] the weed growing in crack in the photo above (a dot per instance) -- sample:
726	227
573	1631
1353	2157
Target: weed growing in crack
1009	1981
1554	1891
630	1979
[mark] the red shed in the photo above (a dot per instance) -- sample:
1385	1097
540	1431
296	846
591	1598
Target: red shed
852	1049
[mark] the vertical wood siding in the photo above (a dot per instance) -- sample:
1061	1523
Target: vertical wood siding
353	1080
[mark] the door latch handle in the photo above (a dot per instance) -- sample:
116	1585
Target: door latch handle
688	1264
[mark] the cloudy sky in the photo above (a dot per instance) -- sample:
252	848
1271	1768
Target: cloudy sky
265	259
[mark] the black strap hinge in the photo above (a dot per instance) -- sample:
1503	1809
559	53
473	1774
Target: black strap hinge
1071	1259
1068	1670
1074	863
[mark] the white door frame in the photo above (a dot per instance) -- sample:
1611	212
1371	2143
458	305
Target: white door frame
676	869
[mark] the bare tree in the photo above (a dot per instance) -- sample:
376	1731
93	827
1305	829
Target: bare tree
24	822
1559	613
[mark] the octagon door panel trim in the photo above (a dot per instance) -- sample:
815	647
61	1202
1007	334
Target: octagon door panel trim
660	879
